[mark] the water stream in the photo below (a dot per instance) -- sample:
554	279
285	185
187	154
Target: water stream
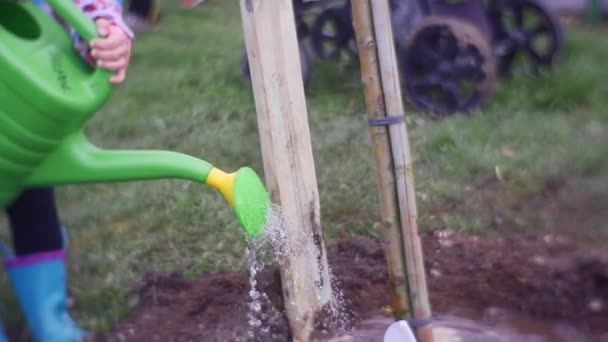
261	251
273	247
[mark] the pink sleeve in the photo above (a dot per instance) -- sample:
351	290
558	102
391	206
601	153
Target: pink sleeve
108	9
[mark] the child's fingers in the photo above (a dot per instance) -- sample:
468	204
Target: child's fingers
113	65
111	55
119	77
111	50
103	27
110	42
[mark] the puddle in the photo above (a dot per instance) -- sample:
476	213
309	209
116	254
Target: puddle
496	326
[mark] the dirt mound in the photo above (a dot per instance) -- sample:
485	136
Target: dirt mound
543	276
213	307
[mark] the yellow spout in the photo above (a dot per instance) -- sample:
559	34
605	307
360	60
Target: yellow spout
223	182
245	193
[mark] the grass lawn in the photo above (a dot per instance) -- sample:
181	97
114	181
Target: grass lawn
185	93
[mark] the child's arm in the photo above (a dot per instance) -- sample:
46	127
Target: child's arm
113	50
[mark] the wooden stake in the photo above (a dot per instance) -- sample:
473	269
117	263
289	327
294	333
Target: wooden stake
380	75
274	60
403	164
402	160
389	214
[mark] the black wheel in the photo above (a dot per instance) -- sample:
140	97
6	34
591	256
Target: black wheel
447	66
332	33
304	62
526	31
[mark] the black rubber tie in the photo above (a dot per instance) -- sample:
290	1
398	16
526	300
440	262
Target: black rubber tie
387	120
419	323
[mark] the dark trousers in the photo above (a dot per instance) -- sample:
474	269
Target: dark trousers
141	8
34	222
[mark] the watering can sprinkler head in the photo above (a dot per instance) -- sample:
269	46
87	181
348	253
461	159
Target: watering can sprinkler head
245	193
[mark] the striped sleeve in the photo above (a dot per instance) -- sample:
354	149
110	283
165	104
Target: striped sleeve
108	9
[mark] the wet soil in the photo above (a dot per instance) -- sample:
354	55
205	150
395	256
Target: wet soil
548	286
545	276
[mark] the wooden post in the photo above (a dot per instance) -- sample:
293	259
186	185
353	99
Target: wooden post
381	54
274	61
402	160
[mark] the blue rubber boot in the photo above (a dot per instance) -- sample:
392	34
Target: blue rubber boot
2	335
39	283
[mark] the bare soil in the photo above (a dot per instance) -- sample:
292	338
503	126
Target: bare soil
546	276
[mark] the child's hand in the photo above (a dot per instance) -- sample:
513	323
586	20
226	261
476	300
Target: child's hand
113	50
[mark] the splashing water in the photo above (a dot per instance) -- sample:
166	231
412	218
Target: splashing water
262	313
274	246
259	320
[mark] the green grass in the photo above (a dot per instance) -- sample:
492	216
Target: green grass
185	93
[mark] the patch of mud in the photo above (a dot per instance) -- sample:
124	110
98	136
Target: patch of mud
546	277
213	307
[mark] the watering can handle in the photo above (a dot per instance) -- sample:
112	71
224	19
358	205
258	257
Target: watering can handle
81	23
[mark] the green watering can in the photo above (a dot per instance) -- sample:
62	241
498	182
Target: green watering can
47	93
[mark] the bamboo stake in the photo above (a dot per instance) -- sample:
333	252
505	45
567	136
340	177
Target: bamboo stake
402	160
274	60
403	168
389	225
